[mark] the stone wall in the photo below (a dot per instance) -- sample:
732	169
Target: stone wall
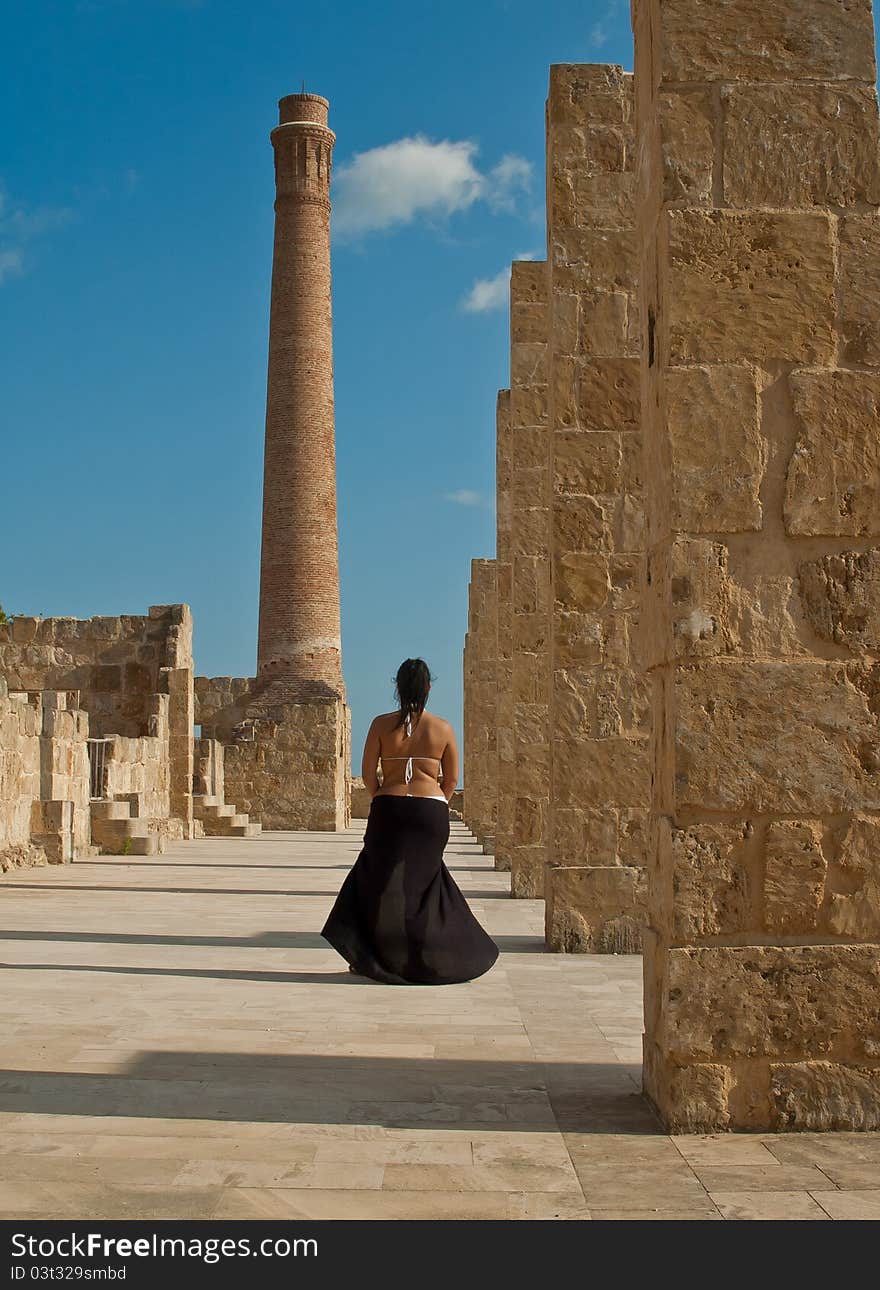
529	772
480	704
44	778
285	763
759	231
599	728
119	666
504	706
139	770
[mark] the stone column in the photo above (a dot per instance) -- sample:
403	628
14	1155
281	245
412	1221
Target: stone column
599	737
299	633
480	704
530	582
503	631
759	188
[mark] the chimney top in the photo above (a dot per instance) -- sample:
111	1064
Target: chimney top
303	107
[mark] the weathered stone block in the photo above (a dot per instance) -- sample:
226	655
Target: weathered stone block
603	324
580	580
859	323
766	40
841	597
825	1096
687	141
586	462
761	285
528	821
691	1099
579	638
608	394
855	909
588	92
833	482
794	875
528	407
725	1003
711	879
594	703
593	910
815	147
581	524
718	454
800	738
613	771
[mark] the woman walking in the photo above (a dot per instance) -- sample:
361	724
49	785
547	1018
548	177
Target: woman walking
399	916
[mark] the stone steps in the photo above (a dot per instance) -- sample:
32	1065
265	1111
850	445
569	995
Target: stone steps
117	832
222	820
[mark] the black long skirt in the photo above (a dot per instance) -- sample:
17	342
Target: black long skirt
399	916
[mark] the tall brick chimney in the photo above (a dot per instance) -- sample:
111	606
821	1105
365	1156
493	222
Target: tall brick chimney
299	632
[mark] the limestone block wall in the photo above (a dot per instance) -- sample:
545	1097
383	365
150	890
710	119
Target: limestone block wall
60	821
208	776
529	773
504	703
286	764
140	769
758	220
599	718
20	724
44	778
480	704
118	665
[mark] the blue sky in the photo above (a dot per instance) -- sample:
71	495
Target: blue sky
135	245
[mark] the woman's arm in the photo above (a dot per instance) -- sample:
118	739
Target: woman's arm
449	764
370	759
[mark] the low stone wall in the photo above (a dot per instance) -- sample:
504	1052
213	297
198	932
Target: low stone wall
44	778
140	769
118	666
285	762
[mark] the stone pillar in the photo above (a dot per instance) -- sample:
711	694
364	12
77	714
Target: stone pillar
599	741
176	680
480	704
759	189
530	582
504	785
299	632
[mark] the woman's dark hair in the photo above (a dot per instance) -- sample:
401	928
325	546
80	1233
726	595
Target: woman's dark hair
411	687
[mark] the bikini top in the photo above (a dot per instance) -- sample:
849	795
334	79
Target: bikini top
408	771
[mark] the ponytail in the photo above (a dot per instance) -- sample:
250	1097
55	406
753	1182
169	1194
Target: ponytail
411	688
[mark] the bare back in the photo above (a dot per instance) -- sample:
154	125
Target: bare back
421	754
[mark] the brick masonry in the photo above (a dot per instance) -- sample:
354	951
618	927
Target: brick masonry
299	632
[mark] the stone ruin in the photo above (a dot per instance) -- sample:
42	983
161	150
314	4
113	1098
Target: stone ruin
97	742
686	587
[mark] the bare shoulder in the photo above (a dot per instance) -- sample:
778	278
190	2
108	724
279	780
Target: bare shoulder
383	721
441	727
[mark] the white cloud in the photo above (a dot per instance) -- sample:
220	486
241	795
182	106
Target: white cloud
417	177
600	30
10	264
18	226
466	497
488	294
512	175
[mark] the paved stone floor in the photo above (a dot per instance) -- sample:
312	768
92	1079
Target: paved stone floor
180	1042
